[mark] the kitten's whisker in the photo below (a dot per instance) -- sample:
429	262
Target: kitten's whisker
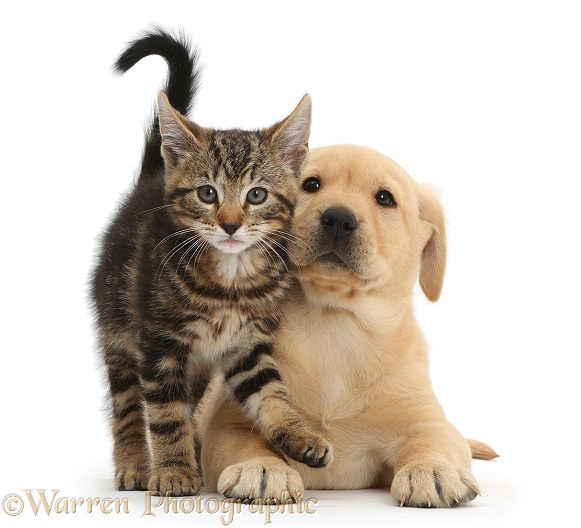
172	252
265	253
198	248
177	233
201	250
289	237
193	245
283	248
276	253
149	211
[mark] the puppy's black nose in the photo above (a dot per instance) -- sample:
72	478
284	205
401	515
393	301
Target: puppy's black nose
338	221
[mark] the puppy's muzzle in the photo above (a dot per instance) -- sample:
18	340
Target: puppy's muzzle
337	241
338	223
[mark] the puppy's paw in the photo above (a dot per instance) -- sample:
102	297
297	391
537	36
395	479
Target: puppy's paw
433	486
131	477
303	446
261	478
175	481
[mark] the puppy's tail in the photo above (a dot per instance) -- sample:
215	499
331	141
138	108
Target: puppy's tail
481	450
181	87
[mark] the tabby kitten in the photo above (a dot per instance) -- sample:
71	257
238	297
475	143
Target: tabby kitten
191	278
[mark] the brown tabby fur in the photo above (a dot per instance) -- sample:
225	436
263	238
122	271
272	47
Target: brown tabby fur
187	285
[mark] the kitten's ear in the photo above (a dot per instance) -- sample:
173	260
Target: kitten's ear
178	134
291	136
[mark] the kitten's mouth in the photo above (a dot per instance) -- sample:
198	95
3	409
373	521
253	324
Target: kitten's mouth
231	245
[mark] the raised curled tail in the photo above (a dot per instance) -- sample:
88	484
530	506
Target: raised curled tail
181	87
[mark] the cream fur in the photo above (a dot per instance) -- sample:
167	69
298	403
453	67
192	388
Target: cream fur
351	353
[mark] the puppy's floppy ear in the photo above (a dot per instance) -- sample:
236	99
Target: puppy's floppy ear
433	262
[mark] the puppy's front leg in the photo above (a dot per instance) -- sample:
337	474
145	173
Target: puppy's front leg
432	469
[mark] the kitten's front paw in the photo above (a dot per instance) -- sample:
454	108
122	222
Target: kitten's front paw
131	478
268	479
303	446
433	486
175	482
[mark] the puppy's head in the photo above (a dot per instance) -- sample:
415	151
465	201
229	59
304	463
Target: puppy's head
362	223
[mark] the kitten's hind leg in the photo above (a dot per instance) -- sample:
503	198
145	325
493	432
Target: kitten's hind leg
130	451
255	382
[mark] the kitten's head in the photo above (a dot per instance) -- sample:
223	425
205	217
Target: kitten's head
235	188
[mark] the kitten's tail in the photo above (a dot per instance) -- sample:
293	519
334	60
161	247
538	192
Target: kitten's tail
181	87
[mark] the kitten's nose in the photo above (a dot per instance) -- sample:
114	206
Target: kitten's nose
339	222
230	228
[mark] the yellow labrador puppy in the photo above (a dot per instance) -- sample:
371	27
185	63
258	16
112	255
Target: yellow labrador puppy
350	350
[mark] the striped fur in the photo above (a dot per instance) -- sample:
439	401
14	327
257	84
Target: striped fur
186	287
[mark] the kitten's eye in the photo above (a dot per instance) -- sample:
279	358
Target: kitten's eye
207	194
385	198
256	196
311	185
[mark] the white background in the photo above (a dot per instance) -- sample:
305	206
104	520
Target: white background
480	98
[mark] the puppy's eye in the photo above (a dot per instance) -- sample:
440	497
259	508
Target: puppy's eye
256	196
385	198
207	194
311	185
